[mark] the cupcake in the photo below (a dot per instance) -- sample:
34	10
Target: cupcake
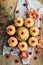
32	41
18	22
22	33
12	41
10	30
22	46
28	22
34	31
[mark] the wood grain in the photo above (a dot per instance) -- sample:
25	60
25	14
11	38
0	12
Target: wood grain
10	3
11	60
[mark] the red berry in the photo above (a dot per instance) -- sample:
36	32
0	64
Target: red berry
8	55
17	11
32	41
35	58
10	29
22	45
40	28
22	33
40	19
16	60
34	31
37	51
30	53
24	4
13	41
29	22
38	34
18	21
11	50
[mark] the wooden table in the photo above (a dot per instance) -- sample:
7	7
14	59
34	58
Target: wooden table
11	60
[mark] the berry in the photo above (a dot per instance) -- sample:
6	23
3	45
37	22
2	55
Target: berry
10	29
37	51
8	55
35	58
16	60
18	21
40	28
22	45
17	11
33	41
30	53
34	31
38	34
22	33
11	50
28	21
12	41
24	4
40	19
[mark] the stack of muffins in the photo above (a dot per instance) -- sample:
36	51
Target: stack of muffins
23	33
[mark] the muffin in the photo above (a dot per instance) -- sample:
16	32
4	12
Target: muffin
28	22
12	41
10	30
18	22
32	41
22	46
34	31
22	33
